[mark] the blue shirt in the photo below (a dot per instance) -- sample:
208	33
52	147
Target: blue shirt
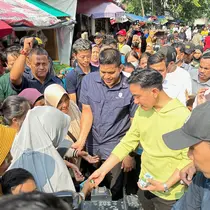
74	79
29	81
198	195
112	109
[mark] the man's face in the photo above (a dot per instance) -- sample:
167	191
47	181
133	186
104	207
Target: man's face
180	55
10	61
204	70
136	41
161	68
188	58
146	31
98	40
95	54
83	58
200	154
146	98
176	35
110	74
136	27
39	65
143	62
121	39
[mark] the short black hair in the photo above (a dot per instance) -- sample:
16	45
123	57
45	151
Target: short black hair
129	65
38	51
109	41
180	46
110	56
35	201
13	178
132	53
156	58
146	78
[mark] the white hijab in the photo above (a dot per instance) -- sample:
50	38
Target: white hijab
34	149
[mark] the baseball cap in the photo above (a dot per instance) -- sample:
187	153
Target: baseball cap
169	52
7	136
98	35
136	22
195	129
189	48
122	32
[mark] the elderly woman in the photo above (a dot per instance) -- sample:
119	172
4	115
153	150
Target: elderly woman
56	96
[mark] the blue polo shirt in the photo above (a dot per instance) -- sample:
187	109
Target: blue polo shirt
112	109
29	81
74	79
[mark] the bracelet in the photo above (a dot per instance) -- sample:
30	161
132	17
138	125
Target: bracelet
165	187
23	52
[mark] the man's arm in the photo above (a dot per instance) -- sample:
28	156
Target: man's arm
73	97
18	68
85	126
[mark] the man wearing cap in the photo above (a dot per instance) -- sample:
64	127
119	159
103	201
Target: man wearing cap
121	37
195	134
177	82
98	39
201	77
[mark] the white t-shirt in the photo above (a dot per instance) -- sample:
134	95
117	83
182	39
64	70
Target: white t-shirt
177	83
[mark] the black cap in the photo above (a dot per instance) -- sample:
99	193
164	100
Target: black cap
136	22
189	48
98	35
169	52
195	129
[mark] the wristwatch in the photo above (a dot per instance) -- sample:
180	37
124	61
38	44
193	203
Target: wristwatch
165	187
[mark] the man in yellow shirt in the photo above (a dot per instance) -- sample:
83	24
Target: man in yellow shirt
157	114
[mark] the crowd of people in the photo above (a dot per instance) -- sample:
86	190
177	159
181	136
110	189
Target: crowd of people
134	108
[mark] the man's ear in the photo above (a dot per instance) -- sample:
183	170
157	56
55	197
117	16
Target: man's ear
155	92
121	67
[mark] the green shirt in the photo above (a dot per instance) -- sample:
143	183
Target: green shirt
157	159
5	88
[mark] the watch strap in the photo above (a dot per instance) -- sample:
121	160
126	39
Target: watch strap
165	187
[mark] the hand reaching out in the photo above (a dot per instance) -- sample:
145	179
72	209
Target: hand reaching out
87	157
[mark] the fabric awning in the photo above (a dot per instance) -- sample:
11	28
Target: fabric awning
133	17
5	29
47	8
99	9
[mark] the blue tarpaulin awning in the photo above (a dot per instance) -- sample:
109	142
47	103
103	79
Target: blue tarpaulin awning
133	17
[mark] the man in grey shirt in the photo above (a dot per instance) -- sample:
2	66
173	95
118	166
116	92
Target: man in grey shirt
201	77
195	134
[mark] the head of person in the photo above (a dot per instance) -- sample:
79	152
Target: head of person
170	55
111	42
95	54
195	135
136	26
143	60
204	68
110	66
136	41
121	36
82	49
128	67
33	96
56	96
14	110
7	136
39	63
149	48
12	54
188	52
158	63
180	49
132	57
198	52
35	201
176	34
145	86
146	31
17	181
98	38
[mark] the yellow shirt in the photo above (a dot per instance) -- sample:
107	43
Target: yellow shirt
120	45
157	159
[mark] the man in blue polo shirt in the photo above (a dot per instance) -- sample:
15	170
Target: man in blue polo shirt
39	77
82	49
107	110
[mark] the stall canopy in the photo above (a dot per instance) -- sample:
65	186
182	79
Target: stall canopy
99	9
133	17
47	8
22	13
5	29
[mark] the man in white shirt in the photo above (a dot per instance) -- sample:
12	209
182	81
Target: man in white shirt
177	82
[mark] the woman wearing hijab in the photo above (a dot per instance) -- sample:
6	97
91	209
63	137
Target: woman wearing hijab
33	96
56	96
34	149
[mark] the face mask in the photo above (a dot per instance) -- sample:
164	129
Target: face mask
122	59
135	64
